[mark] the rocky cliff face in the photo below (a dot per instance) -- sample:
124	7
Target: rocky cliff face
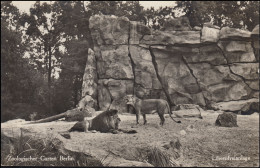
182	65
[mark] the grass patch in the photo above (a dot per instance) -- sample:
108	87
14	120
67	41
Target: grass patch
32	151
159	158
154	156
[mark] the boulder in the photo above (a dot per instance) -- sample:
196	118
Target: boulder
240	105
255	37
236	46
190	113
104	96
89	84
187	106
219	84
256	49
137	31
255	31
111	93
172	37
227	119
187	111
210	25
233	33
177	24
256	44
246	70
253	84
176	77
209	53
237	51
209	33
109	30
114	62
145	76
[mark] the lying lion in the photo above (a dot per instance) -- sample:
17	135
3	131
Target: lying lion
149	106
107	121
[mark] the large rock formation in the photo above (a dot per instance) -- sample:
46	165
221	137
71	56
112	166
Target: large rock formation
177	63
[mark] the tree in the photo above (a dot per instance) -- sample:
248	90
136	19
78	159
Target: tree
68	90
237	14
130	9
156	18
13	79
45	32
21	83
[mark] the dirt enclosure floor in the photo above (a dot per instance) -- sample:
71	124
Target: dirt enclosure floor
202	143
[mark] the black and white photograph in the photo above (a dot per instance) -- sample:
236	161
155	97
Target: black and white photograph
130	83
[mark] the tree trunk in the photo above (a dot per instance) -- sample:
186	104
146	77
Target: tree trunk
52	118
76	91
49	81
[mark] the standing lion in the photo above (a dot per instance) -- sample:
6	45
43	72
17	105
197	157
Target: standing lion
149	106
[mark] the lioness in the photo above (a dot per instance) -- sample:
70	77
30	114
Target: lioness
149	106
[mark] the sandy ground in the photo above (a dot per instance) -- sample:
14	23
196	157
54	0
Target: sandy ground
203	144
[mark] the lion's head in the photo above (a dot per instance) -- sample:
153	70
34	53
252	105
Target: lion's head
130	99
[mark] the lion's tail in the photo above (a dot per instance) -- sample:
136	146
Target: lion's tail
169	110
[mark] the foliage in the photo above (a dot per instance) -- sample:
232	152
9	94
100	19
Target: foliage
238	14
21	81
130	9
17	82
68	90
45	32
156	18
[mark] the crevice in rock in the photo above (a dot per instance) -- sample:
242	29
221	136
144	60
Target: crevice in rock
191	72
117	78
206	62
159	77
110	95
130	57
96	60
246	99
201	34
240	63
255	50
228	64
245	39
139	84
187	45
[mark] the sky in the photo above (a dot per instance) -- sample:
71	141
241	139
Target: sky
24	6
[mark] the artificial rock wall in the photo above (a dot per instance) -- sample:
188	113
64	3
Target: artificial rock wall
182	65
